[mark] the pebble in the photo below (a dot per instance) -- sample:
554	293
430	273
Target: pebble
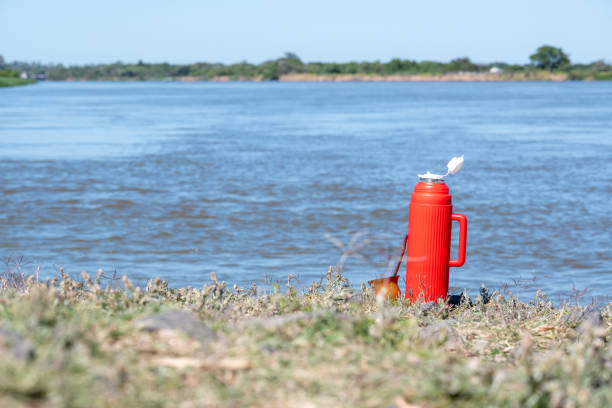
18	347
179	320
438	331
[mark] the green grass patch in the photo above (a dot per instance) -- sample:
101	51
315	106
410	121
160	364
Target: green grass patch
9	81
603	76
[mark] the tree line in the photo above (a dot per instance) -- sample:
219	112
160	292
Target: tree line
545	58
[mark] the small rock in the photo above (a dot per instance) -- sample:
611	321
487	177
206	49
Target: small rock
441	331
428	307
19	347
268	348
179	320
589	320
457	300
593	317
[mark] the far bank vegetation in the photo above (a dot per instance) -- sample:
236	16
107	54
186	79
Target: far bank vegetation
546	63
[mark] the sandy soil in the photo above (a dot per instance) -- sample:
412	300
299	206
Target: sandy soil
455	77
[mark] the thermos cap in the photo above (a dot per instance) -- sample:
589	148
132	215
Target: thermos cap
432	178
453	167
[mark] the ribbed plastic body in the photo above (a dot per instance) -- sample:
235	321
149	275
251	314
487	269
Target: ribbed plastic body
429	239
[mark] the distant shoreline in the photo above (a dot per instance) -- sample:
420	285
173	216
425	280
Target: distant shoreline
532	76
450	77
546	64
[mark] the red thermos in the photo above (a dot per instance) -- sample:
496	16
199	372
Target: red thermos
429	236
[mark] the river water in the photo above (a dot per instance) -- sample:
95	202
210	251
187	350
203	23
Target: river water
255	181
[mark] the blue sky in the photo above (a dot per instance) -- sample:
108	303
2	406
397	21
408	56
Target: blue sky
183	31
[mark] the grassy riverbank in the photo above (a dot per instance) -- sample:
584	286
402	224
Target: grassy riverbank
8	81
84	344
10	77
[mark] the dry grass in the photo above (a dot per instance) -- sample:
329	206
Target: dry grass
326	345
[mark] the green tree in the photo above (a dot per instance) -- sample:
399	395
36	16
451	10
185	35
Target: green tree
394	66
290	63
462	65
550	58
270	71
9	73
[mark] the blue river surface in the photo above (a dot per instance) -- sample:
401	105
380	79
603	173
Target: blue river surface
256	181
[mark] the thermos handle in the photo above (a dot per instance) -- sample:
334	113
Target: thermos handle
462	239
